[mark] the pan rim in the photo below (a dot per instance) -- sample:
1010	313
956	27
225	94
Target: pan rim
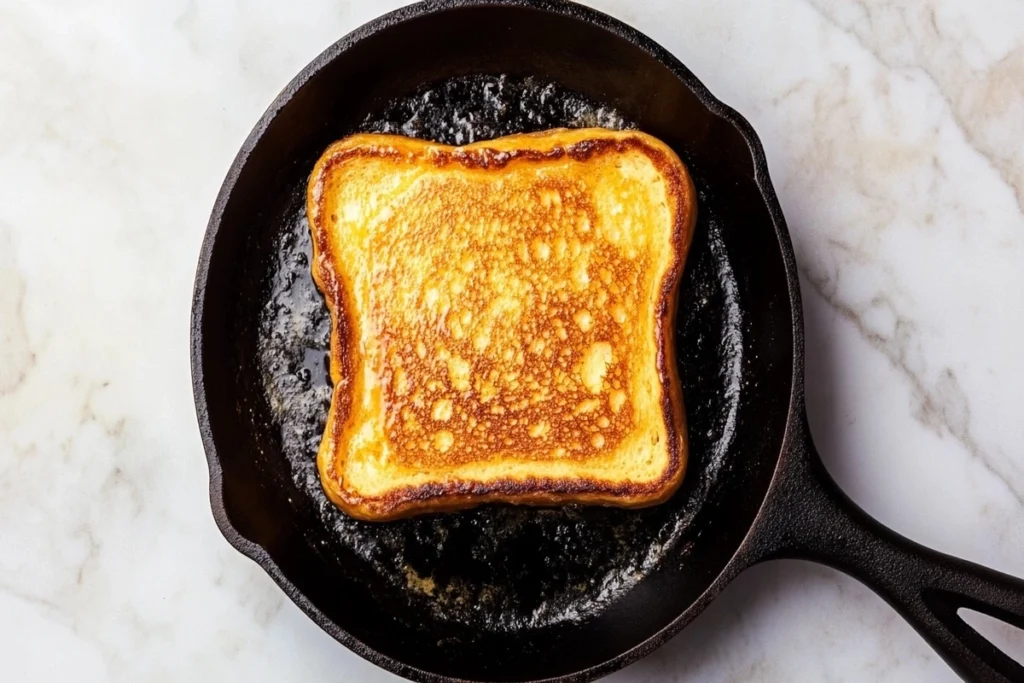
258	553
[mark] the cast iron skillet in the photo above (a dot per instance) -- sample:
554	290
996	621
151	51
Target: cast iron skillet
512	594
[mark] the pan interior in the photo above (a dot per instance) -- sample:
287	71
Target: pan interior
498	568
497	593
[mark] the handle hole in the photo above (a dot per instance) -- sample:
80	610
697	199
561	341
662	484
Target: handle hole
1007	637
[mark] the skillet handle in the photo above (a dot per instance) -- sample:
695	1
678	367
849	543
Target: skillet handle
806	516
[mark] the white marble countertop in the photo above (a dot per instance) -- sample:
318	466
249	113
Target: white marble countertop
895	137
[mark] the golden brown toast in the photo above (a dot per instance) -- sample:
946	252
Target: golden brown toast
501	320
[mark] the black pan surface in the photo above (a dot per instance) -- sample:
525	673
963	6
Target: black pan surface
503	568
498	593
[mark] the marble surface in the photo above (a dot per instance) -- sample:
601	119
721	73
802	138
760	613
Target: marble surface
895	137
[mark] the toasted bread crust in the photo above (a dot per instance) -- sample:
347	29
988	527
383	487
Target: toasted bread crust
449	493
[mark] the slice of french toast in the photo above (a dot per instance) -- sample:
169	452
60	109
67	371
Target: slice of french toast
502	320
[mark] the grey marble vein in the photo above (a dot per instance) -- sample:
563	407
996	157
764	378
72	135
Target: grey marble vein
943	406
908	37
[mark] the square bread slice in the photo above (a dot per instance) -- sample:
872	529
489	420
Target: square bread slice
501	320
